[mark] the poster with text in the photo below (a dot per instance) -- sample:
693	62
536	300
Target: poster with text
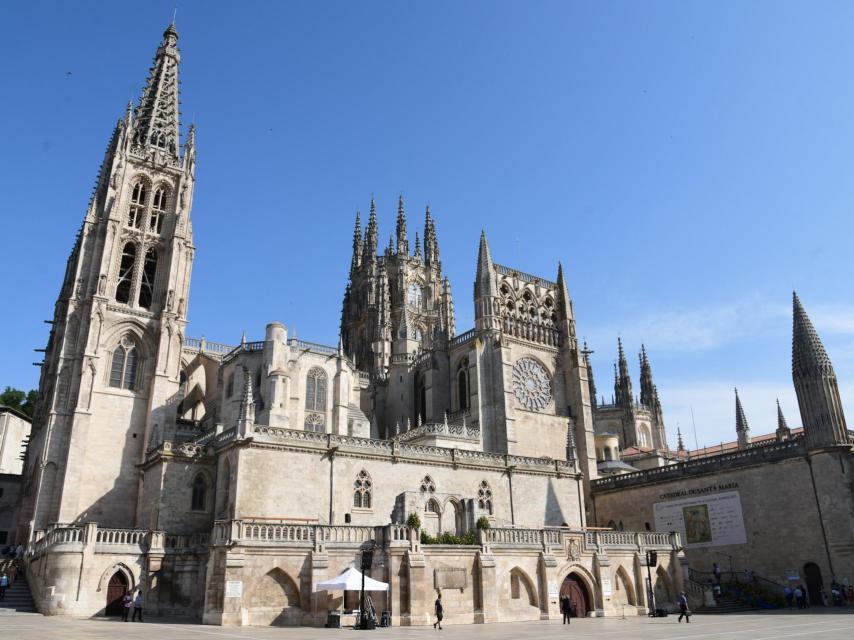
710	520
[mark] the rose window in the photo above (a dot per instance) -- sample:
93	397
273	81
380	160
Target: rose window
531	384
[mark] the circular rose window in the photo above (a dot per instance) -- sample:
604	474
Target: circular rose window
531	384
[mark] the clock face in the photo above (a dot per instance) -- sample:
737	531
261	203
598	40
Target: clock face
531	384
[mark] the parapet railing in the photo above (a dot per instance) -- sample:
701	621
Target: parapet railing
463	337
317	536
527	277
200	345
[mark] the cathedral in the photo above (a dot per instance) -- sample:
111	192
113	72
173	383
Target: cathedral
226	481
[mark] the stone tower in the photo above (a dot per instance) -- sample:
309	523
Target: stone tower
111	369
650	399
815	384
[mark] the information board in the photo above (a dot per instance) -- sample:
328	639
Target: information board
710	520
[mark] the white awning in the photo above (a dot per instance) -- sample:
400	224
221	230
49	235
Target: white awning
350	580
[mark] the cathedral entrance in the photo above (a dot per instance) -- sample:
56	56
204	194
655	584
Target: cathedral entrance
117	588
574	588
814	583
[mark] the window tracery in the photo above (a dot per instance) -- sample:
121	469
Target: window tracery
124	365
137	205
315	389
484	497
126	268
315	422
414	295
158	210
149	270
363	490
427	485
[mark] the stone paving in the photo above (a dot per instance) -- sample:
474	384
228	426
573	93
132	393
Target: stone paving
828	625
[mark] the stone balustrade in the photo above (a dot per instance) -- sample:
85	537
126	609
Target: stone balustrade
121	536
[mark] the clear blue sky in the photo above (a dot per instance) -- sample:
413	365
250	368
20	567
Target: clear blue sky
689	163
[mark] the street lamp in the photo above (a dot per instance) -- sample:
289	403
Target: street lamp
367	561
651	561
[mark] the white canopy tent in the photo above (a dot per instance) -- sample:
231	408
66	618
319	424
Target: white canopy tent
350	580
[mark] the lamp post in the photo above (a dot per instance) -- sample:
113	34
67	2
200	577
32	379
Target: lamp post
651	561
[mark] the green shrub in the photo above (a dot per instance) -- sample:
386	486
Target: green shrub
413	521
468	538
483	523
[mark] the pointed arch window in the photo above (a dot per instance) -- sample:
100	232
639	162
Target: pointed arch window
125	365
137	205
414	296
149	270
158	211
315	422
200	488
315	390
484	497
427	485
363	491
126	268
463	385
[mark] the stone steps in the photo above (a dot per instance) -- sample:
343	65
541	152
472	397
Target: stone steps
18	599
728	605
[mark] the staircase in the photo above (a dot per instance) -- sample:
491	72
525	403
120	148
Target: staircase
18	599
728	604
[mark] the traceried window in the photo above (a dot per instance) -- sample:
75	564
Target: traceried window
414	295
126	273
427	485
149	270
125	365
137	205
315	422
484	497
158	211
199	490
363	490
315	390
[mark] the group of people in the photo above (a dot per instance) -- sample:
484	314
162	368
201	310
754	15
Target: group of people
8	577
129	601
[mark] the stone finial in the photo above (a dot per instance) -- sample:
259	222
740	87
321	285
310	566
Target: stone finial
783	432
402	242
246	418
680	445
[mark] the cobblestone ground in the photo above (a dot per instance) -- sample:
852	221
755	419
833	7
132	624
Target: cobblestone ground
828	625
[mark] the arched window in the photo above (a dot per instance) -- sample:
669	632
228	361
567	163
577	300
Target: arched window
414	295
484	497
463	384
363	490
315	422
125	365
158	211
137	205
149	270
200	487
126	273
427	485
315	390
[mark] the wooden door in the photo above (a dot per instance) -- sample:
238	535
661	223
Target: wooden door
814	583
573	588
115	590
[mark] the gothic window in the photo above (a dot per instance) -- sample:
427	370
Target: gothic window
315	422
137	205
125	365
427	485
463	385
126	273
149	269
363	490
158	211
315	390
484	497
414	296
199	491
229	387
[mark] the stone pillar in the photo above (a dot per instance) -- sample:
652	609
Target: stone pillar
420	594
153	567
602	571
318	600
488	589
233	613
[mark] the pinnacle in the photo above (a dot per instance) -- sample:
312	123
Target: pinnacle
781	419
740	418
808	355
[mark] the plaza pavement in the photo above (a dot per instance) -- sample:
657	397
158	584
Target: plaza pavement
827	625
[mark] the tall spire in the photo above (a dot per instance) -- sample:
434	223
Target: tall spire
815	384
647	395
590	382
369	252
741	427
402	242
783	432
246	418
429	237
680	446
356	261
485	289
625	395
417	246
156	122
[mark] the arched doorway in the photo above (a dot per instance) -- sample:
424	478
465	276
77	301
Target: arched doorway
574	587
116	588
812	573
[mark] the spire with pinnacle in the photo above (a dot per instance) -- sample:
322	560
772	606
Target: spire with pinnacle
485	289
246	418
429	238
815	384
647	394
369	250
356	261
402	242
625	397
783	432
590	382
680	445
741	427
156	121
417	247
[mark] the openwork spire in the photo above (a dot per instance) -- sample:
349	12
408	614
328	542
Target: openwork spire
680	445
369	251
156	121
417	246
590	382
356	261
742	429
402	242
808	355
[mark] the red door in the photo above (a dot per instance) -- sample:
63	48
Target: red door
115	590
573	588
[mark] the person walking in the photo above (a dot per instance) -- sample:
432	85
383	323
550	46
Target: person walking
4	584
439	611
127	601
566	609
137	606
788	594
683	608
716	570
799	597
